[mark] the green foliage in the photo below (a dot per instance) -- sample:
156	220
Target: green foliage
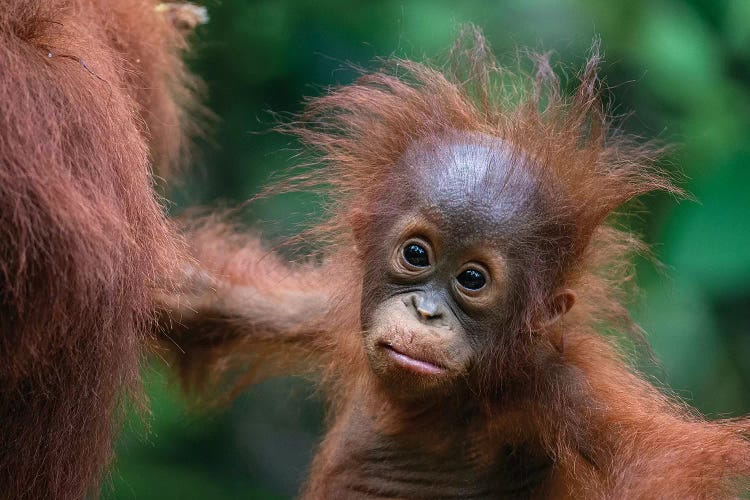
683	67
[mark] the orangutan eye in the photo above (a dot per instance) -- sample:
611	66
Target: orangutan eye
471	279
416	255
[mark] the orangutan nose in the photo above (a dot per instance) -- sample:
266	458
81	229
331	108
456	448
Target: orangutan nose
426	306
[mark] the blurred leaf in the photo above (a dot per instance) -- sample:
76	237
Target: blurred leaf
684	337
737	25
710	241
679	52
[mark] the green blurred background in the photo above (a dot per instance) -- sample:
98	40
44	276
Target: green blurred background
682	67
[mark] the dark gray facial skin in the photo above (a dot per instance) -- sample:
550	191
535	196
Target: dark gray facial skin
465	202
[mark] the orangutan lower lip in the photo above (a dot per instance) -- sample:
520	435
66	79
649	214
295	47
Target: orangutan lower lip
413	364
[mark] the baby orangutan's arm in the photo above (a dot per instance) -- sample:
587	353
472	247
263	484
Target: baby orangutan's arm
239	313
619	437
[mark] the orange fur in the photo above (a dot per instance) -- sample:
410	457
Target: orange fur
94	94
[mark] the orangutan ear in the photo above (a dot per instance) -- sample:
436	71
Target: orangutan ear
358	222
562	302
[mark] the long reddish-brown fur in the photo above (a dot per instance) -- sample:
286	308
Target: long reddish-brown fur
244	313
93	96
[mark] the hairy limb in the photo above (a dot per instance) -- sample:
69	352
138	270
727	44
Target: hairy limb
240	313
620	437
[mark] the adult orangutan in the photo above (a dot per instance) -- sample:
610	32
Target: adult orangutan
92	95
454	316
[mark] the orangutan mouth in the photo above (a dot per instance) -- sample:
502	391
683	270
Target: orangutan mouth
410	363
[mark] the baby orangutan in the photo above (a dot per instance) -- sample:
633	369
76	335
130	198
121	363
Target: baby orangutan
454	318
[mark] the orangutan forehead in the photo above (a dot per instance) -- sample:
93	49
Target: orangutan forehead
472	175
